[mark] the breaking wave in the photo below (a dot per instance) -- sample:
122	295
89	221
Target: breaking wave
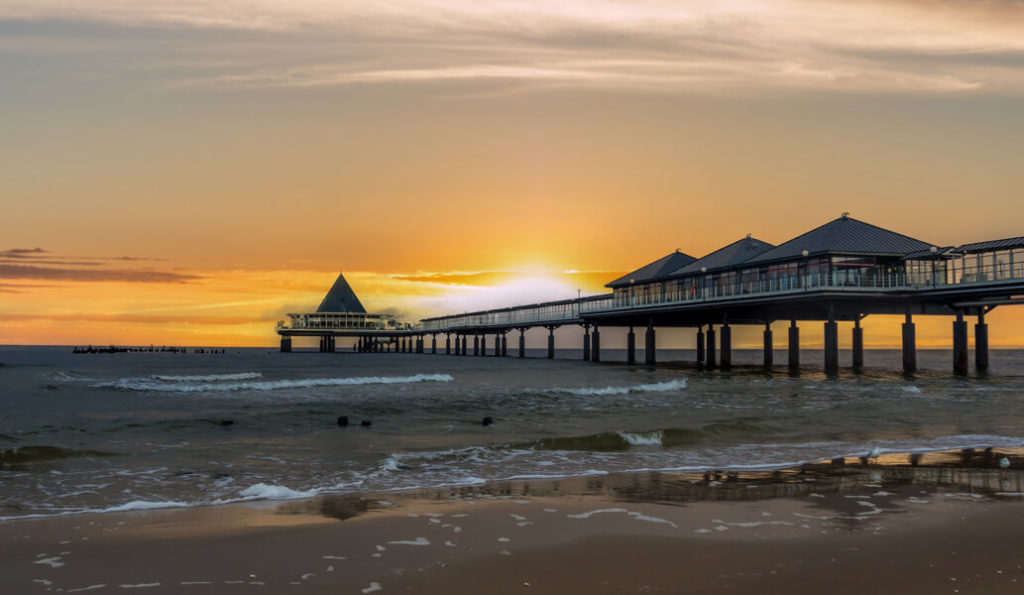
187	386
209	377
666	386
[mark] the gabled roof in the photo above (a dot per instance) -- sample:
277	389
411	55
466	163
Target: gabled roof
844	235
341	298
658	269
993	245
727	257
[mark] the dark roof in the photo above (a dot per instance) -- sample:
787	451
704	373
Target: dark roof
939	253
727	257
655	271
341	298
844	235
993	245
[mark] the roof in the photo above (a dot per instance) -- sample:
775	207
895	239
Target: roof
341	298
723	258
993	245
844	235
658	269
932	254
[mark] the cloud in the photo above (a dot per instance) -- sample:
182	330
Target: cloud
137	318
11	271
924	46
22	253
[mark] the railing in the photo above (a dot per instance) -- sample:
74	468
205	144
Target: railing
870	280
339	322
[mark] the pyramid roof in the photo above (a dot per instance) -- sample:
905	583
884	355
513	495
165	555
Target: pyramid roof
844	235
341	298
726	257
659	269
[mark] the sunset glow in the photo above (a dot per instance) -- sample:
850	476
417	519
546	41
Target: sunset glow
189	172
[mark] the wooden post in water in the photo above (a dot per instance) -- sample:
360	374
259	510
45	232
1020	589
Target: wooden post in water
768	354
650	357
726	348
981	342
858	344
586	342
794	347
522	342
709	352
631	346
595	350
960	345
909	345
831	347
700	344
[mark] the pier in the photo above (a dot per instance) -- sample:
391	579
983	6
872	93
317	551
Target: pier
839	272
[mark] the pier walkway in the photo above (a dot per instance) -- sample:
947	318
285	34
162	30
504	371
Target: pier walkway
842	271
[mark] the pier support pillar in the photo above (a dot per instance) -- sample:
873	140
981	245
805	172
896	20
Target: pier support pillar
465	345
586	342
726	348
522	343
650	358
286	344
551	342
981	343
433	344
331	344
831	347
858	344
595	350
497	345
700	344
483	346
504	344
768	349
631	346
447	344
909	345
794	347
960	345
710	352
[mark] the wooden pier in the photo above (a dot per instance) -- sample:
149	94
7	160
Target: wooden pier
842	271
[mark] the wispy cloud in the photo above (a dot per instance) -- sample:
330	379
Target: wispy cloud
17	271
639	45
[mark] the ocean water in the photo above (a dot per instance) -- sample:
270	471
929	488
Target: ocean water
122	431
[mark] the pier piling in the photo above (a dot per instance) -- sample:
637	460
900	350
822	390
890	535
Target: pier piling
909	345
709	351
981	343
769	355
858	344
700	344
726	348
650	358
595	339
831	347
960	345
794	347
631	346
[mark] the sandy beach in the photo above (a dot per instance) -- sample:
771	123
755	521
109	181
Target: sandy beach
888	527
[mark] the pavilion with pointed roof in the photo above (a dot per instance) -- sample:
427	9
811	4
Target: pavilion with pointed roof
340	313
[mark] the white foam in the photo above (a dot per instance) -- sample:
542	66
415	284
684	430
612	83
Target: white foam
373	587
417	541
208	377
625	390
911	389
262	491
148	384
643	438
140	586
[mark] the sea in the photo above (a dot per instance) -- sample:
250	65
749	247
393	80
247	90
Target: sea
106	432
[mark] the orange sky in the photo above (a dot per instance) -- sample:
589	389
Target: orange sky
192	170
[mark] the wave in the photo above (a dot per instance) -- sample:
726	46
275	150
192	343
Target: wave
668	437
666	386
182	386
36	454
208	377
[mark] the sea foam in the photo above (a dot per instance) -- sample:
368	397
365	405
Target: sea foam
668	385
186	386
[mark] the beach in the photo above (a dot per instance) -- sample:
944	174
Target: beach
854	528
194	473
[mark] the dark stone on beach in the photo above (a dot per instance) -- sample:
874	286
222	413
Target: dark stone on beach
488	421
366	423
839	461
226	422
343	421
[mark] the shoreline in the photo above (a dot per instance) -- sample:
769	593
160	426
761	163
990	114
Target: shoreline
885	526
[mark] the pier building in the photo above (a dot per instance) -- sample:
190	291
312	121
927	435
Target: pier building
839	272
341	314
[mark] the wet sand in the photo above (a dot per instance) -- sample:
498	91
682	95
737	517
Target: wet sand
947	526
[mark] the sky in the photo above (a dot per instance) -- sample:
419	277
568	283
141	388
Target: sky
189	171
